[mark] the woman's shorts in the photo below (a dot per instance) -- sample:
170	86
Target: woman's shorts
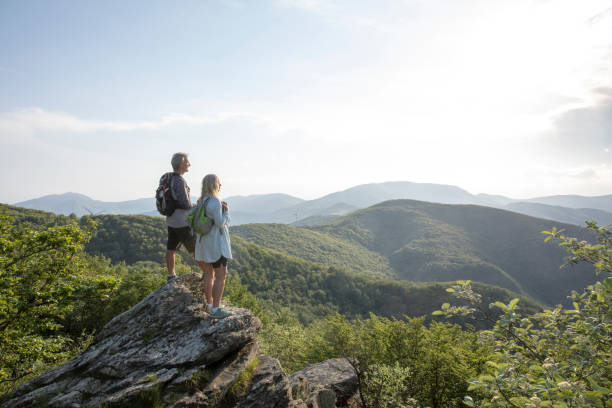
220	261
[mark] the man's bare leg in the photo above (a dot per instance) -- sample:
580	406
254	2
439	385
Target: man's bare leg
170	260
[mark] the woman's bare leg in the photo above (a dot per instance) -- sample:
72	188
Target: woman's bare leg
207	280
217	290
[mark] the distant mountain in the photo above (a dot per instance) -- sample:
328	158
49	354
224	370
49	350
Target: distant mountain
79	204
343	202
286	209
262	203
575	216
575	201
494	200
369	194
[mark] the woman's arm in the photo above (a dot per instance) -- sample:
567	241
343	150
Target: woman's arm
221	218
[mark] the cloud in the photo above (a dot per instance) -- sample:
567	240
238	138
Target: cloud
586	173
308	5
601	16
583	135
33	120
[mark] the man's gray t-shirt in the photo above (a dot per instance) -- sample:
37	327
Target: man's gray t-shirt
181	194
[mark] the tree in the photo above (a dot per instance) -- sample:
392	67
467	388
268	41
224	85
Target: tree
402	363
556	358
42	274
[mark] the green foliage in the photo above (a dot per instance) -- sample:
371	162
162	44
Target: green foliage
238	295
243	382
429	366
35	219
556	358
42	275
383	386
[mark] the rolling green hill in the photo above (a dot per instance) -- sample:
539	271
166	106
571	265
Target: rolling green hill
440	242
313	290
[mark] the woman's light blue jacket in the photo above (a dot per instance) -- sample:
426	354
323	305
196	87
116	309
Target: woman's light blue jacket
210	247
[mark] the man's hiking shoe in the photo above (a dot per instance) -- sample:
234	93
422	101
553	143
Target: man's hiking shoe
220	314
171	278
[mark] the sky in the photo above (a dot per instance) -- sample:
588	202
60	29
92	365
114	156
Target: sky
305	97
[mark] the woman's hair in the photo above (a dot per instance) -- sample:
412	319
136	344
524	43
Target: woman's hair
210	186
177	159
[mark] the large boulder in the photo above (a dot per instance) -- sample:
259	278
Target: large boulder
165	351
337	375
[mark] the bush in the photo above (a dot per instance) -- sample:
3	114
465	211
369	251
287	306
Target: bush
556	358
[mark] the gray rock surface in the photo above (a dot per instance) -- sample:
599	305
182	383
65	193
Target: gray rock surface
335	374
321	398
164	350
270	387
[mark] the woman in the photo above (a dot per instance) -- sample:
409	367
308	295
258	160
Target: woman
212	251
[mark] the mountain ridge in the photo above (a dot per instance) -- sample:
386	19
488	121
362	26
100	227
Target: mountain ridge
283	208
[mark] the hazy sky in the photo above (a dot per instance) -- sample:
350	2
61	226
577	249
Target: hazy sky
305	97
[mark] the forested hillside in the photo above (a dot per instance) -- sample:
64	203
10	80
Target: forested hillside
440	242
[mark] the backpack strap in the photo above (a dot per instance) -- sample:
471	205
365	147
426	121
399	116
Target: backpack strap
171	176
204	205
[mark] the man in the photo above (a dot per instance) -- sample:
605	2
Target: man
178	229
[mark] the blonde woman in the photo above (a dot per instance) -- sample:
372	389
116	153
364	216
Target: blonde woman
213	250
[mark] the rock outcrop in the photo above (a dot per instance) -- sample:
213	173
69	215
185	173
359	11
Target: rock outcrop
167	352
335	377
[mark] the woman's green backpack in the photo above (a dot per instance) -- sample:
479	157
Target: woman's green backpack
198	221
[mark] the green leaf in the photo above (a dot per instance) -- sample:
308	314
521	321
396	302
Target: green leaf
513	303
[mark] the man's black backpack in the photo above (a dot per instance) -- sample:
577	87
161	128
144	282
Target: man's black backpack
163	195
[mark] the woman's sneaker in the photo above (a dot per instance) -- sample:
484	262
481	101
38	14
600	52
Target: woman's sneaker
220	314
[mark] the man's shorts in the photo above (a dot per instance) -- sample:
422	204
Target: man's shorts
178	236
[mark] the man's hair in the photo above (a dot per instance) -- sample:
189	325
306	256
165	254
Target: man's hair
177	159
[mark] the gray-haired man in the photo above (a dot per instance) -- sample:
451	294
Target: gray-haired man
178	229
